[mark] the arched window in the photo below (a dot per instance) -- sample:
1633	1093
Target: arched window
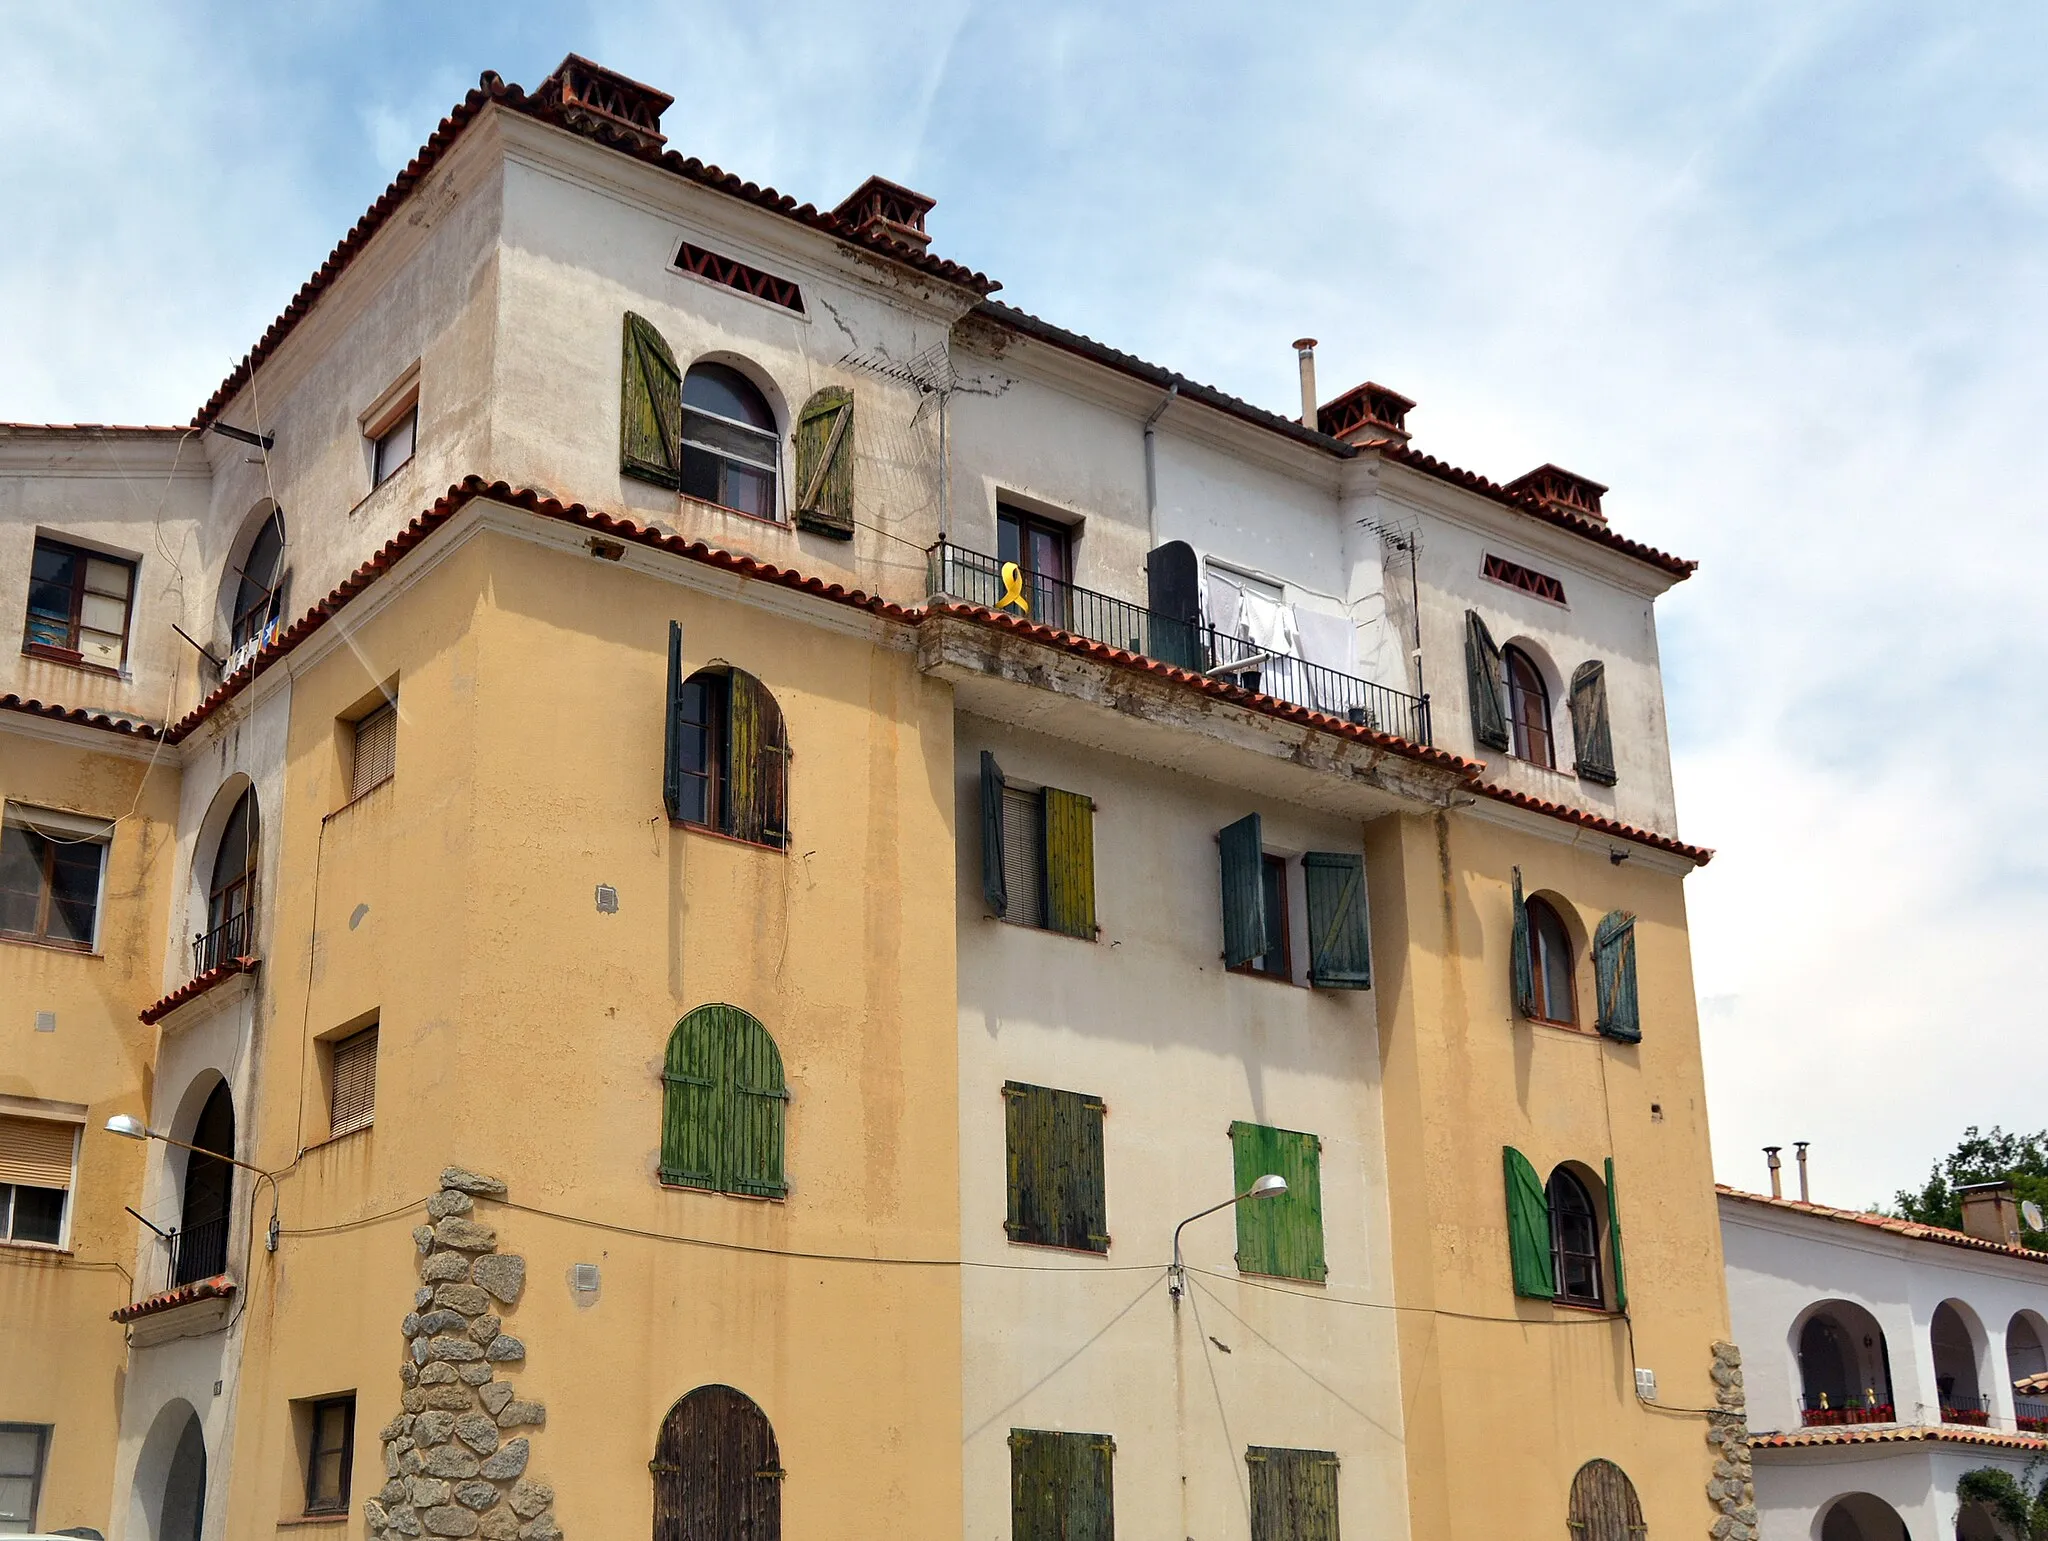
730	444
231	891
1844	1368
259	589
1528	708
731	757
1574	1239
717	1472
1604	1506
2026	1362
1955	1364
722	1103
200	1248
1550	965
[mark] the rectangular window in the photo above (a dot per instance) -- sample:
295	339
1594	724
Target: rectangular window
23	1449
701	742
1024	855
352	1098
36	1163
392	445
374	756
1061	1486
1293	1493
78	605
1057	1196
1281	1237
50	876
1040	862
330	1451
1043	552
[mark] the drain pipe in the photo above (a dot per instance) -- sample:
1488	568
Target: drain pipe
1799	1154
1152	467
1777	1168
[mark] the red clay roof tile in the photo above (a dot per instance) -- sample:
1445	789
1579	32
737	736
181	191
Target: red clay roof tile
195	987
219	1287
79	716
1912	1229
1942	1434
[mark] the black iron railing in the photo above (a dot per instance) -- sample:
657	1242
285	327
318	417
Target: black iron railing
198	1251
2030	1416
957	573
1971	1410
1820	1410
231	939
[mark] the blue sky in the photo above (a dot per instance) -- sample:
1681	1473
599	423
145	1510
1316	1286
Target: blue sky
1775	274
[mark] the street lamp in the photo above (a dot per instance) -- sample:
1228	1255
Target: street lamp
131	1128
1272	1185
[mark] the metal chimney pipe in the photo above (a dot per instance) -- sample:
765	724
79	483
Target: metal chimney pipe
1799	1155
1777	1166
1305	352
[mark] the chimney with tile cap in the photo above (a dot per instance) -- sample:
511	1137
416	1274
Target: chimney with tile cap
605	104
1365	413
1561	491
879	207
1990	1212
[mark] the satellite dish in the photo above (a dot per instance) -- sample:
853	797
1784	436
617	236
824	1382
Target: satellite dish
2031	1213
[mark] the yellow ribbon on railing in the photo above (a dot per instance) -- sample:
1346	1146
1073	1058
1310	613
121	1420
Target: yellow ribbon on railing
1013	590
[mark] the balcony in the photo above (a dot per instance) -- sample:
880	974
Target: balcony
1965	1410
1821	1411
197	1252
954	572
2031	1417
231	940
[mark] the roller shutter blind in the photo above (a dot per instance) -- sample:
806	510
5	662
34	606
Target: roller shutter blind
1293	1494
36	1152
1281	1237
376	750
354	1103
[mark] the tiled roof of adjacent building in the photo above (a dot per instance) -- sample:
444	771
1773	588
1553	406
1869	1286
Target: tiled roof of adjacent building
78	716
219	1287
1943	1434
195	987
1912	1229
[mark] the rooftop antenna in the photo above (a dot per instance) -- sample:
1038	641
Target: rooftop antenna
932	375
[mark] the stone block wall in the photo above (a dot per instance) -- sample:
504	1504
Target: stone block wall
1731	1489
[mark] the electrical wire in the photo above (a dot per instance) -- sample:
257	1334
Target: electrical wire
1576	1319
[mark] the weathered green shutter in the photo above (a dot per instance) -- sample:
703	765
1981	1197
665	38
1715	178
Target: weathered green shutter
1488	685
1614	977
672	727
993	888
756	763
1293	1493
1592	739
759	1096
692	1111
1340	938
1282	1237
1521	962
650	406
1069	863
1244	895
1528	1228
1058	1195
723	1097
1614	1241
1061	1486
824	463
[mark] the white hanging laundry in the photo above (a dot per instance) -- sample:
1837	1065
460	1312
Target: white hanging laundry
1268	626
1331	642
1226	602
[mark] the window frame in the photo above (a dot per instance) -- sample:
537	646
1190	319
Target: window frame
1276	879
1044	594
9	1206
407	417
726	456
69	651
1564	1179
1536	689
76	831
243	886
717	680
352	1040
385	710
36	1473
1535	906
337	1503
269	609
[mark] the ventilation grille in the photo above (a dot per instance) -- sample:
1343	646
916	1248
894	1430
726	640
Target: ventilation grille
735	274
1527	579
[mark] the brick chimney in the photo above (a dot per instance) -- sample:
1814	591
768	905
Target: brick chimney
879	207
1990	1212
603	103
1562	491
1366	412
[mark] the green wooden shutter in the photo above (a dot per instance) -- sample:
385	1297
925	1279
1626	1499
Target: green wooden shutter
1057	1195
1521	962
1069	863
672	727
993	888
1293	1493
1244	895
756	763
1593	740
1282	1237
1340	938
1614	977
1614	1241
1488	685
1528	1228
824	463
755	1122
692	1111
650	406
1062	1486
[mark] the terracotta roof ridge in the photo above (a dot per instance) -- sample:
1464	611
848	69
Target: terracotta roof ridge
195	987
96	427
79	716
1697	854
218	1287
1900	1434
1913	1230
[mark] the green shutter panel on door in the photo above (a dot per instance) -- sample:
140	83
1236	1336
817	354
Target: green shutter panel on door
1057	1189
1061	1486
1614	1242
1280	1237
1528	1228
1340	938
1487	683
1083	1221
1069	863
692	1111
759	1096
1091	1512
756	763
824	463
1521	964
1592	739
650	406
672	727
1614	977
993	887
1293	1493
1244	897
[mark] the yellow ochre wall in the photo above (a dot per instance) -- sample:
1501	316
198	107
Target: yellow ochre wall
61	1359
1501	1412
522	1035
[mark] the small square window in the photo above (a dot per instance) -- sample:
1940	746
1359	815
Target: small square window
352	1081
393	446
23	1449
51	868
330	1452
78	603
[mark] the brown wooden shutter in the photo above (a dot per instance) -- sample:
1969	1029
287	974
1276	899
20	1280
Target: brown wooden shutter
1604	1506
1069	863
376	750
1058	1196
1486	683
717	1471
650	406
1241	846
1339	937
1293	1494
353	1105
824	463
36	1152
757	754
1062	1486
1592	738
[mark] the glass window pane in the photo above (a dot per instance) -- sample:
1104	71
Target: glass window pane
396	447
101	647
750	491
38	1214
15	1493
701	474
53	564
729	439
104	576
1009	537
721	389
6	1222
50	599
1049	554
1273	888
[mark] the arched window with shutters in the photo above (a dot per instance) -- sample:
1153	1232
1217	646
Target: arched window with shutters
717	1471
728	753
730	445
1574	1239
723	1097
1528	709
1550	964
1604	1506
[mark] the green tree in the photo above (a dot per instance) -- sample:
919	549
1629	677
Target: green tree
2020	1504
1980	1157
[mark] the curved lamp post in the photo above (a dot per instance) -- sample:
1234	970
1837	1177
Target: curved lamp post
1270	1186
131	1128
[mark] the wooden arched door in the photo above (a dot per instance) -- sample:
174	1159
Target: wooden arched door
717	1474
1604	1505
